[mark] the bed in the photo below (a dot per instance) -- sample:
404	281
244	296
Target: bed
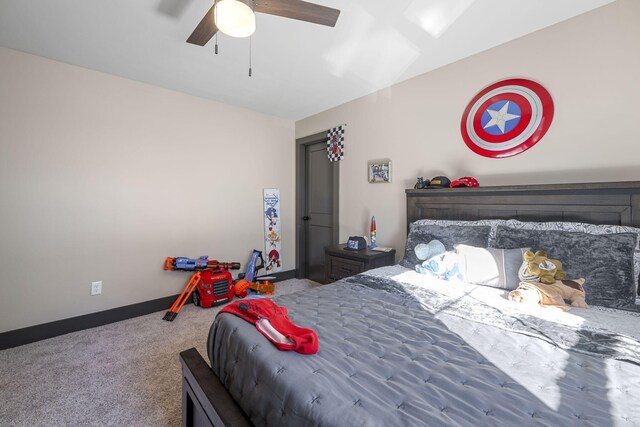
398	348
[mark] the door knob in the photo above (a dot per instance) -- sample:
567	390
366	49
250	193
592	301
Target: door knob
305	218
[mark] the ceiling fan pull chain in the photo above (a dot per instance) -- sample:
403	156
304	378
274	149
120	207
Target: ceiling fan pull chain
215	10
250	56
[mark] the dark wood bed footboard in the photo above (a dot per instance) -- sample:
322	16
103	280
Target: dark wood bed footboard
205	401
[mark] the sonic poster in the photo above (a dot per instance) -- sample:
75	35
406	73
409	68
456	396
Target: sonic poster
272	244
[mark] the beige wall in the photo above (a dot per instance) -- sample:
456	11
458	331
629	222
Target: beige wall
101	178
589	64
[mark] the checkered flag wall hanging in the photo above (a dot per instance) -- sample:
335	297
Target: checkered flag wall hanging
335	143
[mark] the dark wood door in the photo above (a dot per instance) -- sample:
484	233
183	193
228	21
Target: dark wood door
318	215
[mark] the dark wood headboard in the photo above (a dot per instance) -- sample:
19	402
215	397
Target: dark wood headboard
615	203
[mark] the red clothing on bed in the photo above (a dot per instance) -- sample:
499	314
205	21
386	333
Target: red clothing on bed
273	322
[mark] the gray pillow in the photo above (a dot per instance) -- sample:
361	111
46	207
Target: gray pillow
604	260
447	222
497	268
449	235
579	227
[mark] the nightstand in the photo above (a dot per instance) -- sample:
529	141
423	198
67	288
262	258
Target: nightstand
340	263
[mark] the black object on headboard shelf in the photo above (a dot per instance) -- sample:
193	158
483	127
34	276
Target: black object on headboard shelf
616	203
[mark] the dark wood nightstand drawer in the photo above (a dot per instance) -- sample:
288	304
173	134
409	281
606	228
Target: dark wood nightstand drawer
341	263
340	268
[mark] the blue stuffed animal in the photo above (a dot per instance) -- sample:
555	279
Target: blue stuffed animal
444	266
424	251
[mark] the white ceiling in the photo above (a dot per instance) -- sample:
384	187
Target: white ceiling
299	69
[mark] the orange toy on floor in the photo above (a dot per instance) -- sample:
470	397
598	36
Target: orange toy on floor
263	285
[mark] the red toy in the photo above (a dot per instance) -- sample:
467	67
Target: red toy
465	181
211	286
214	288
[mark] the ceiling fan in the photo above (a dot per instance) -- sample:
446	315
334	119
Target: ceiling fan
237	17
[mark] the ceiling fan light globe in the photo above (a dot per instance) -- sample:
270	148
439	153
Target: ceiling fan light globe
235	18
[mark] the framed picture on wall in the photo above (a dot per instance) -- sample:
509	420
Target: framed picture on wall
379	171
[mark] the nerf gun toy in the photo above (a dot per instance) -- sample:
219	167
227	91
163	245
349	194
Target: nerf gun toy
253	267
248	277
202	263
250	282
211	284
182	298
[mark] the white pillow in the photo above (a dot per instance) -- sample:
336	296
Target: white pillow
493	267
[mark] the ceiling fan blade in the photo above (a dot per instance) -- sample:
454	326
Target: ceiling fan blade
300	10
205	29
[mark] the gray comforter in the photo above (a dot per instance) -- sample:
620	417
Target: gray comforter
395	353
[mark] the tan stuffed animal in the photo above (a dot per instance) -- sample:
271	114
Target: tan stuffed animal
537	267
551	295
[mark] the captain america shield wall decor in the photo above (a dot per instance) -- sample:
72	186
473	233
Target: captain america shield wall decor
507	118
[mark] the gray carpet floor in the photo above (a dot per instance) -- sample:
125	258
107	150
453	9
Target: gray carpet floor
122	374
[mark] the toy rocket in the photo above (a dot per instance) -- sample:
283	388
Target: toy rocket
372	233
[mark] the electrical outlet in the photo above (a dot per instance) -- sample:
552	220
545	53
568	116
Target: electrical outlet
96	288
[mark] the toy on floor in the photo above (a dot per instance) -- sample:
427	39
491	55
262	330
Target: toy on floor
253	267
241	288
263	285
210	285
202	263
